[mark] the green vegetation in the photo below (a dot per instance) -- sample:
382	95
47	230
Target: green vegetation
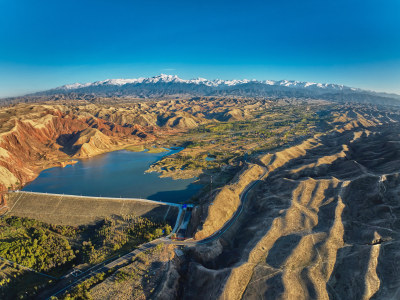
55	249
34	244
228	142
122	276
135	148
81	291
113	235
156	150
140	148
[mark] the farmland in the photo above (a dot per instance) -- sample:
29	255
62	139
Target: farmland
227	142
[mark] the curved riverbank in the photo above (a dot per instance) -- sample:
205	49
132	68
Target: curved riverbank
115	174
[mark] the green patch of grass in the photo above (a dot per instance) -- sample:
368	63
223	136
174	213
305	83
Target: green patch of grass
157	150
135	148
122	276
140	148
228	142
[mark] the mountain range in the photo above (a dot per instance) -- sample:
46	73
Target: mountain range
171	85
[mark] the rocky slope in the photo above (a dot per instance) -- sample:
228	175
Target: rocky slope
39	136
322	224
35	137
226	202
170	86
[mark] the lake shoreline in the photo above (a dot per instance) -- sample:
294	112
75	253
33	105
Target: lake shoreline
99	176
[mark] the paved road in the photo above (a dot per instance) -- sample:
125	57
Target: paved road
66	284
216	235
238	212
69	281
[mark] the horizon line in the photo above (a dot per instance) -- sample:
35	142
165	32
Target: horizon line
195	78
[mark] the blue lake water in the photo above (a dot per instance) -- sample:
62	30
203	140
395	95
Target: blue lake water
115	174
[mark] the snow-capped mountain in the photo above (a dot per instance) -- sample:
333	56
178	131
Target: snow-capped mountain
171	85
163	78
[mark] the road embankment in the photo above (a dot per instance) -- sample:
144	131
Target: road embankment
221	209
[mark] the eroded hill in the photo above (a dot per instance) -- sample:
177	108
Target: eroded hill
319	221
38	136
321	224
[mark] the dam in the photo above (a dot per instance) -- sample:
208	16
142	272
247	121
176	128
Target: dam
115	174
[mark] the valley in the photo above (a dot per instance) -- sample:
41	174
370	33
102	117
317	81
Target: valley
292	191
200	150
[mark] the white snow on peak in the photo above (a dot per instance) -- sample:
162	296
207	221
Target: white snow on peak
74	86
119	81
235	82
164	78
309	84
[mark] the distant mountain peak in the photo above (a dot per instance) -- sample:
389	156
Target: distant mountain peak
165	85
165	78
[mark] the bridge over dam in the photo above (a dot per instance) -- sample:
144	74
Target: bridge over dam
78	210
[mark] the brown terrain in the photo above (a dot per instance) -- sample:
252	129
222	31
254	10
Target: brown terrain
226	202
141	279
321	224
34	137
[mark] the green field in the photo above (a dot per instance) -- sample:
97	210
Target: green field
140	148
228	142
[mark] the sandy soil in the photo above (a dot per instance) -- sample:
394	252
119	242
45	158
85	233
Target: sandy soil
323	224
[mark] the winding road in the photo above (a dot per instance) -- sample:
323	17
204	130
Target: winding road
69	281
216	235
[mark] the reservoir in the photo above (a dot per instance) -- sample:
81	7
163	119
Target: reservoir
115	174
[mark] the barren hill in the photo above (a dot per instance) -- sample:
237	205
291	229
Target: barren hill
37	136
322	224
320	220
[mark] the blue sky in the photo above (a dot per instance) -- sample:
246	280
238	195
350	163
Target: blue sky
44	44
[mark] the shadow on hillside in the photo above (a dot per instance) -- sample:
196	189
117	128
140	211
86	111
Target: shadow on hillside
363	204
177	196
66	141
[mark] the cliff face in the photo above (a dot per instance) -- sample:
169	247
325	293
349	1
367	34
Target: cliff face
227	201
36	137
323	223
